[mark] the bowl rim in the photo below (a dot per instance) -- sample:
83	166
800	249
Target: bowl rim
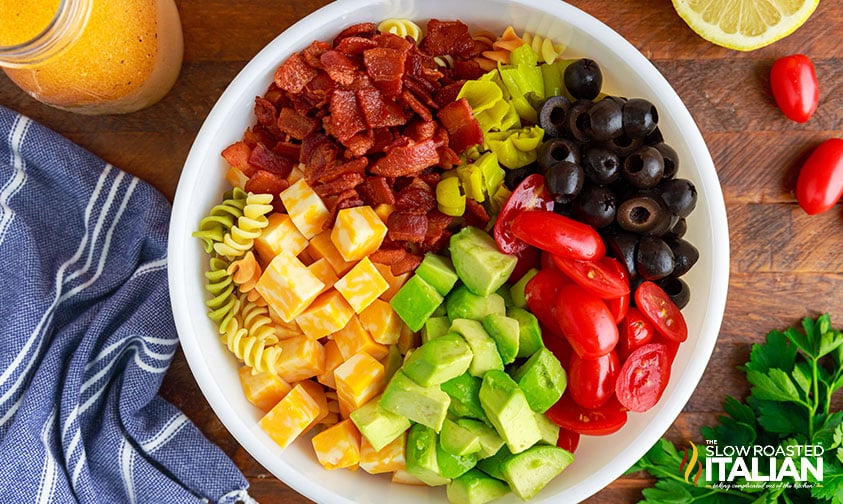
269	57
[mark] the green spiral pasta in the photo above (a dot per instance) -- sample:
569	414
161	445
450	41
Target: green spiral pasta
223	304
214	226
241	236
254	352
401	27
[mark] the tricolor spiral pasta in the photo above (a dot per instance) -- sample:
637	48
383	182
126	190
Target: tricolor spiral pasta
401	27
246	272
255	319
214	226
251	350
241	236
547	50
223	304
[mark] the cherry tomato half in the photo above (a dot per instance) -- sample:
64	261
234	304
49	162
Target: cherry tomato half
643	377
633	332
585	321
605	277
558	234
530	194
661	311
591	422
568	440
541	293
591	382
820	182
793	83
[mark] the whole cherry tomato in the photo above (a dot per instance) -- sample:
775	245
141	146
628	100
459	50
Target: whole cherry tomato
585	321
592	422
605	277
793	82
820	182
558	234
591	382
633	332
661	311
530	194
643	377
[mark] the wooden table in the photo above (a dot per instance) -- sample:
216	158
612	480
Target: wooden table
784	264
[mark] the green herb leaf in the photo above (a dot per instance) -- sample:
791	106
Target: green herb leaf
776	385
778	352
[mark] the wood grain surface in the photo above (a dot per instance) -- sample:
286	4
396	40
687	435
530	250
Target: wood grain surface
784	264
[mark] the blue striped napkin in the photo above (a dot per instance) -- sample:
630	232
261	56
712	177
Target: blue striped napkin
87	335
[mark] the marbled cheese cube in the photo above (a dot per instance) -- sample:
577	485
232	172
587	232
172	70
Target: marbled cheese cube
328	313
288	286
279	235
306	208
361	285
357	232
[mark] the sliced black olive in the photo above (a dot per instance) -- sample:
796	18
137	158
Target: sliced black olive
644	215
605	120
583	79
671	159
514	177
600	165
578	124
553	115
643	168
676	289
654	137
678	227
685	255
595	206
640	117
564	181
680	196
622	145
654	259
624	247
555	150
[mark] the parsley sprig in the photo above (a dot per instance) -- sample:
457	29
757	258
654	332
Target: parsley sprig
793	377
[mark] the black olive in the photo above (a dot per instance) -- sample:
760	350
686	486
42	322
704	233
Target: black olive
595	206
654	137
605	120
676	289
624	247
583	79
564	181
680	196
643	168
578	124
671	159
514	177
654	259
644	215
640	118
555	150
678	228
622	145
600	165
553	115
685	255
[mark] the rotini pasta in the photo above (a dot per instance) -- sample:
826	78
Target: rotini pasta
547	50
251	350
246	272
501	47
223	304
256	320
222	217
401	27
241	236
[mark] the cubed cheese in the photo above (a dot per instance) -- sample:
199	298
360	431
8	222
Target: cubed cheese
361	285
381	322
306	208
359	379
264	390
357	232
390	458
323	270
321	247
328	313
338	446
317	392
279	235
291	416
236	177
300	358
395	281
354	338
288	286
333	358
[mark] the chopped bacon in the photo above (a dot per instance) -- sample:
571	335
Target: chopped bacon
447	37
266	182
294	74
237	155
417	106
265	112
360	143
345	119
419	130
340	67
262	158
416	198
312	53
408	263
385	66
407	160
296	124
355	45
377	191
463	129
339	184
288	150
367	30
335	170
475	214
379	112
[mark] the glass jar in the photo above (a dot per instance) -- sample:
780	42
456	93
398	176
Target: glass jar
92	56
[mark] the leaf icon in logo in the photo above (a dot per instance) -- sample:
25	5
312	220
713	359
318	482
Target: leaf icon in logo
690	461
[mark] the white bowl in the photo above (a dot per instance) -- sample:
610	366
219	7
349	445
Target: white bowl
599	460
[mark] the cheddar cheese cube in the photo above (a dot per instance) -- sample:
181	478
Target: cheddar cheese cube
279	235
354	338
283	329
357	232
300	358
390	458
381	322
296	174
291	416
361	285
324	272
317	392
236	177
338	446
333	358
322	247
288	286
264	390
328	313
359	379
306	208
395	281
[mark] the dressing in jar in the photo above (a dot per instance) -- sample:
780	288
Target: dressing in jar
92	56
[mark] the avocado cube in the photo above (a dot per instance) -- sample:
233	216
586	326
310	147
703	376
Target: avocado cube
392	362
542	379
517	292
490	441
458	440
464	391
493	464
508	410
506	332
475	487
529	471
415	302
379	426
478	262
425	405
435	327
452	465
421	454
549	430
438	271
462	303
439	360
530	333
484	348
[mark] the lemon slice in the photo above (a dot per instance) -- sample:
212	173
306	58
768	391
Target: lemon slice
744	25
